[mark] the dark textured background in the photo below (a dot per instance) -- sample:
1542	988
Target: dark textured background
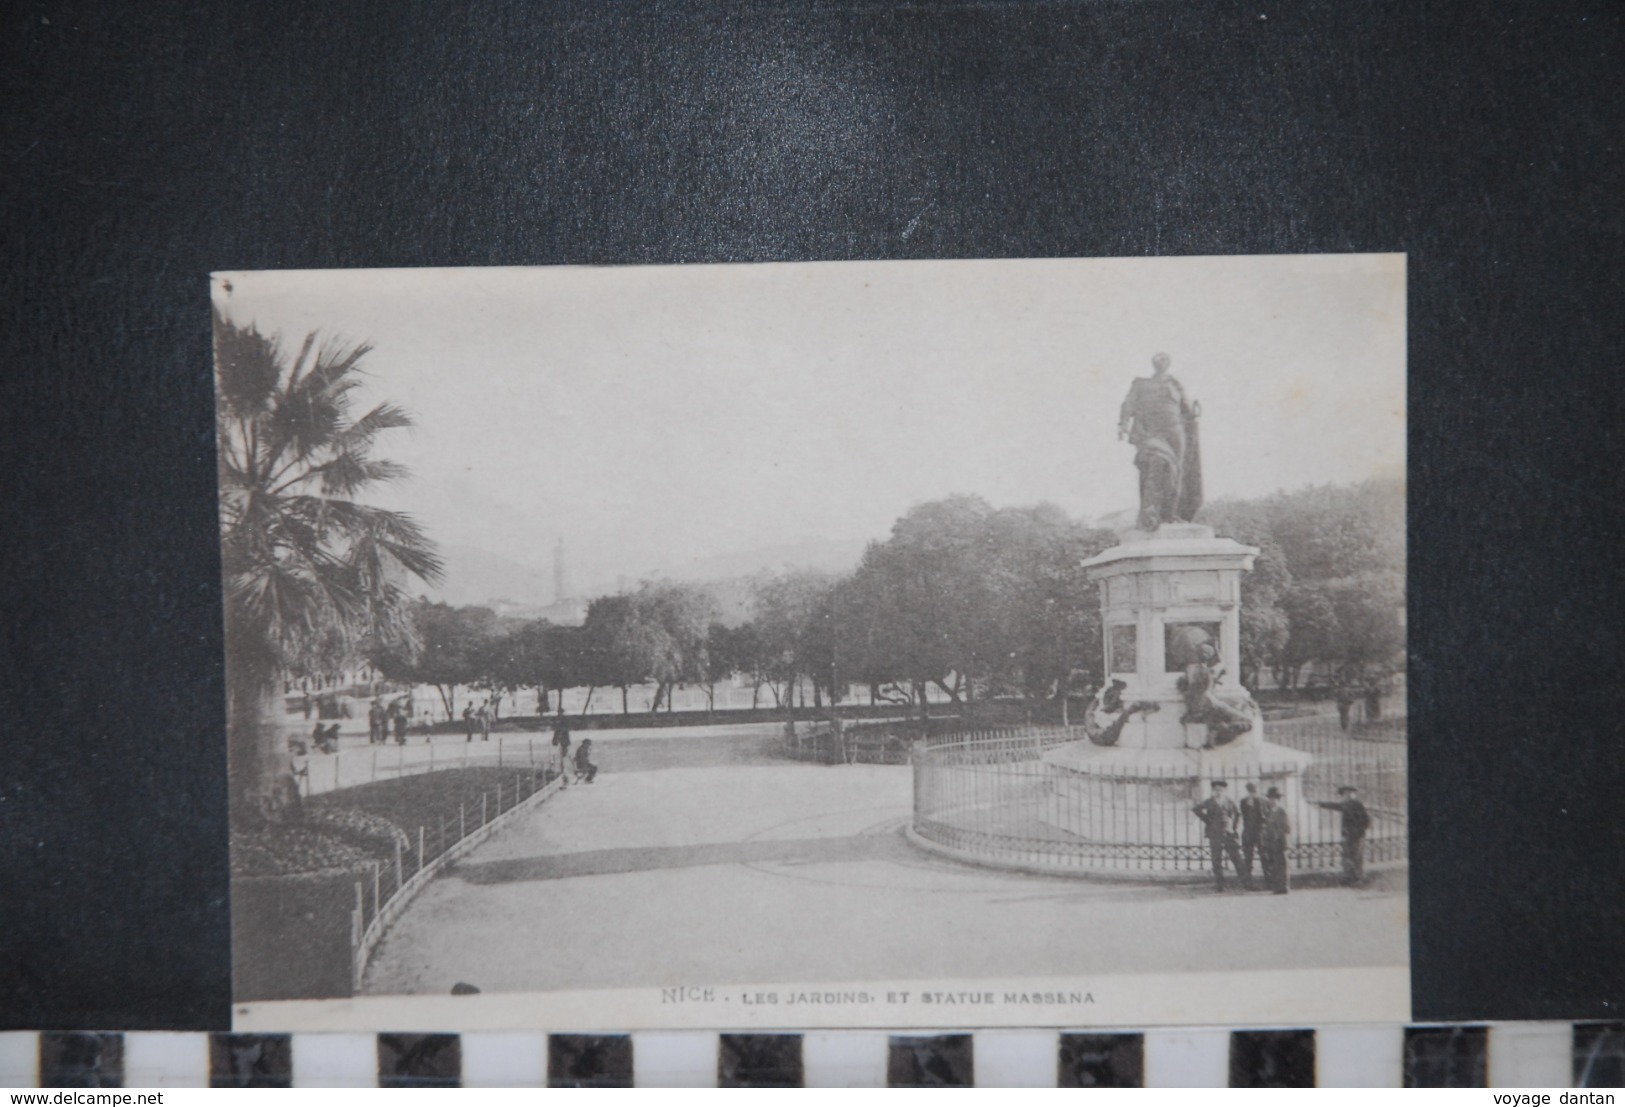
144	145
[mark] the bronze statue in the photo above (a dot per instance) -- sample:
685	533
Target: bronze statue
1108	714
1224	723
1160	421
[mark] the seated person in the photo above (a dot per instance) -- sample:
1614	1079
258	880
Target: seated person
585	769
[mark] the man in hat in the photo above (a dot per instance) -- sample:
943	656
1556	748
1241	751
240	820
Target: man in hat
1219	814
1356	821
1252	828
1272	842
561	739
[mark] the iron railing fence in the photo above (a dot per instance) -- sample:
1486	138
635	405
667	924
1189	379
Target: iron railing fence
1376	762
381	898
992	796
881	744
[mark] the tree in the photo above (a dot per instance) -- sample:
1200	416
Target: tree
1370	633
1312	630
1265	626
739	650
624	646
722	658
682	613
310	571
941	559
451	647
964	592
1046	612
535	655
1331	533
784	605
1328	584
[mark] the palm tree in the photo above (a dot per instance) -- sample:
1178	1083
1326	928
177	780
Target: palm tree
310	573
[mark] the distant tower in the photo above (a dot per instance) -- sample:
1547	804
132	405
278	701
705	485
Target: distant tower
561	575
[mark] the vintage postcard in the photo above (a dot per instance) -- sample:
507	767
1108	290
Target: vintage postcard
893	644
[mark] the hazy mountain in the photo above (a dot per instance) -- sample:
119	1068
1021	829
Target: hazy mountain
833	555
476	576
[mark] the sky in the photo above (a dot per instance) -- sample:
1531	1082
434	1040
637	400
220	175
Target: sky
658	416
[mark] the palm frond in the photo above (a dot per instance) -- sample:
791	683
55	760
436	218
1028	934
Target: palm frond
347	473
384	417
310	574
247	366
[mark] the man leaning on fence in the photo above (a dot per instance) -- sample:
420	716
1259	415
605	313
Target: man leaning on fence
1219	814
1356	821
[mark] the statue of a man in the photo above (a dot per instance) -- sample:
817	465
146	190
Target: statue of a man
1160	421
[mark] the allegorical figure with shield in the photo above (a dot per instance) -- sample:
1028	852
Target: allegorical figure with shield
1160	421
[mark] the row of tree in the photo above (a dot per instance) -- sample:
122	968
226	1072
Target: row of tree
975	600
1328	587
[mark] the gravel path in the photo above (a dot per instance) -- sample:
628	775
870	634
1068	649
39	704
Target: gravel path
750	870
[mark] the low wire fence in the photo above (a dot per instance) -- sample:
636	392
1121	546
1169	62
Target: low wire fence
379	901
892	742
994	796
827	744
352	766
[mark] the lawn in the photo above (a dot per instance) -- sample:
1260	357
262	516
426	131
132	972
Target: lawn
354	827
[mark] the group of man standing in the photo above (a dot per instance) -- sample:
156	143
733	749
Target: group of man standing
1265	830
382	721
477	719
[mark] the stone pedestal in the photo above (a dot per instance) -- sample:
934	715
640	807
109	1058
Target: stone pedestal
1160	592
1157	590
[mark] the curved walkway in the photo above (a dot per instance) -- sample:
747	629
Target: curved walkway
747	873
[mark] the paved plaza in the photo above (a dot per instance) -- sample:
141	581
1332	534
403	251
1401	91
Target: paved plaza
701	858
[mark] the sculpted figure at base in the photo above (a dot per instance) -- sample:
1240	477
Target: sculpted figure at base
1161	422
1201	675
1108	714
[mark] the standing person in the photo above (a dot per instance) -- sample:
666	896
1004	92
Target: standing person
1356	821
561	739
1277	829
375	723
1219	814
584	765
1252	828
484	717
468	721
399	718
1373	701
1345	705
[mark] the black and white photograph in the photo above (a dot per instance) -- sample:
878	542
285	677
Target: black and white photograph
900	643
